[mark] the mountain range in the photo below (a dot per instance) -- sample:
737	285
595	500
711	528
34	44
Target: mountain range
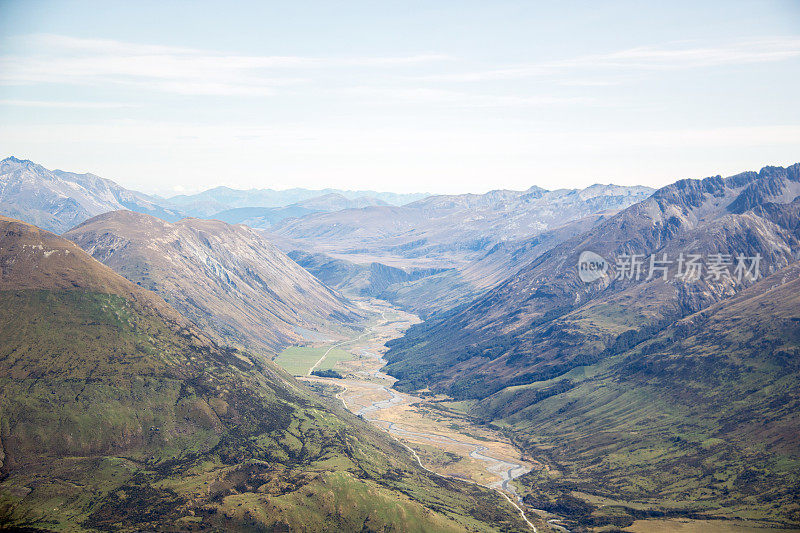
220	199
116	413
58	200
639	346
264	217
447	230
544	320
437	252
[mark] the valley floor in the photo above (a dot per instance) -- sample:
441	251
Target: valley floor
444	441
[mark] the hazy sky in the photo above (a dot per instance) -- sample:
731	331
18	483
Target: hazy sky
405	96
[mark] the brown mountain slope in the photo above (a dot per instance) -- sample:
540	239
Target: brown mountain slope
118	415
31	259
228	279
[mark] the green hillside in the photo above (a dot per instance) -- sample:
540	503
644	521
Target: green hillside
700	420
116	414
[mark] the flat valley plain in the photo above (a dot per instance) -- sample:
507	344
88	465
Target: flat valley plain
298	360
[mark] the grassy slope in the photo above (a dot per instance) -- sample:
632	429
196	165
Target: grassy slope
702	418
115	414
135	445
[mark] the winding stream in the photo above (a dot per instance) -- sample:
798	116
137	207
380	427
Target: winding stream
504	469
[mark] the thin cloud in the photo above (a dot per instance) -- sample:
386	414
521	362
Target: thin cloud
55	104
62	59
448	98
646	58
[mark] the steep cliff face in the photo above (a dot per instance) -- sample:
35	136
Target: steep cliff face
227	279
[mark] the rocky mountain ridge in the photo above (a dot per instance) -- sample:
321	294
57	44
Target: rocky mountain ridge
58	200
207	203
545	320
227	279
450	230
